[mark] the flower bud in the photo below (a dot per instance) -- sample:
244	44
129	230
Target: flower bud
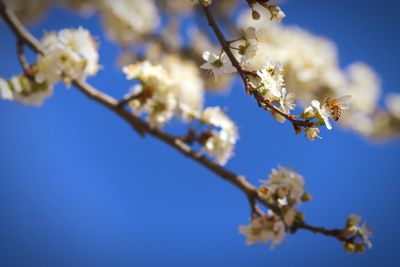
350	247
306	197
276	12
359	247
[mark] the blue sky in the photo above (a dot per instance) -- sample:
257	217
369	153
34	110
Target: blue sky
79	188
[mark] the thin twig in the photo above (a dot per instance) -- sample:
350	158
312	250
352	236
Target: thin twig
127	98
22	59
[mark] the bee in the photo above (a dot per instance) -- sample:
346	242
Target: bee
336	105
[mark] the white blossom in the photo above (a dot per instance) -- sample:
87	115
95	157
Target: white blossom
393	105
156	94
127	20
285	183
287	101
222	140
81	42
173	88
70	54
217	64
312	133
29	92
188	84
308	113
271	79
250	47
264	229
5	91
323	113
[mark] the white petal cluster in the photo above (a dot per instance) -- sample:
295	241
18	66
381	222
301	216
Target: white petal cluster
286	184
312	133
393	105
155	94
126	20
25	90
323	113
217	63
164	91
271	81
263	230
312	71
5	90
222	139
268	79
169	90
248	45
70	54
186	79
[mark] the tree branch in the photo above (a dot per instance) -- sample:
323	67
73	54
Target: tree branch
142	127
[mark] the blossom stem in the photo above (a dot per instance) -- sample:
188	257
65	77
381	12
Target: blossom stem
22	59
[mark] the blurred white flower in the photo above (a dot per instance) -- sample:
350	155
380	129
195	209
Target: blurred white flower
25	90
156	94
127	20
5	91
286	183
70	54
187	82
221	142
312	133
264	229
393	105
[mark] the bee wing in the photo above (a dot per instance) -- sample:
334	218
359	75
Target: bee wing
344	102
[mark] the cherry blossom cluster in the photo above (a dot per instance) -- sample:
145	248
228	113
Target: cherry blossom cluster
70	54
267	84
285	190
161	97
286	70
312	71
